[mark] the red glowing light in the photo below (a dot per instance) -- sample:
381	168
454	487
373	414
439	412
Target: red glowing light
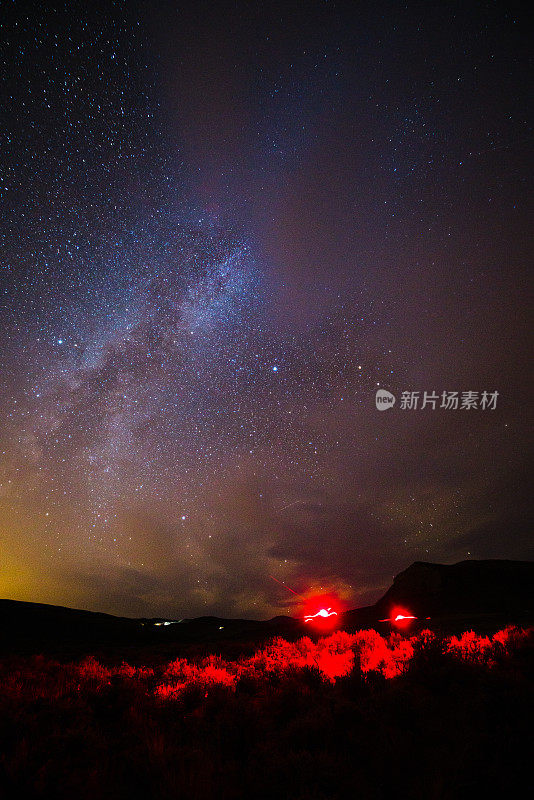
324	612
399	617
319	609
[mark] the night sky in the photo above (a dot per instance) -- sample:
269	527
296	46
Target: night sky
223	228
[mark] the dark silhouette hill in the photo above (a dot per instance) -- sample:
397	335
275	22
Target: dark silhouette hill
23	620
469	587
484	595
38	627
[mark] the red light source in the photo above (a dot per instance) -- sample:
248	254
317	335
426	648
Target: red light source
322	611
400	617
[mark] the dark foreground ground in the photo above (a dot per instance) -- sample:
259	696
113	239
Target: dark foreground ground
362	715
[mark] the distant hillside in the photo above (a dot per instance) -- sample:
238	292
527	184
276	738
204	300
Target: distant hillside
36	627
469	587
39	619
479	594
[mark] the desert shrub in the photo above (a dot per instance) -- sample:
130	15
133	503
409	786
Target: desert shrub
346	715
90	670
470	647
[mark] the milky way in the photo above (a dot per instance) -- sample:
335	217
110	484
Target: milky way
221	233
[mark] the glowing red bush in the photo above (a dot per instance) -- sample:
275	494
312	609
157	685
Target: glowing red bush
334	656
331	657
336	665
469	646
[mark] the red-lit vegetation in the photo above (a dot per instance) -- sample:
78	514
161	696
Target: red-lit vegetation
314	718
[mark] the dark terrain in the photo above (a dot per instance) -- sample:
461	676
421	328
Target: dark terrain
483	595
96	706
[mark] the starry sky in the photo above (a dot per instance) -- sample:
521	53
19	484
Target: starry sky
224	227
